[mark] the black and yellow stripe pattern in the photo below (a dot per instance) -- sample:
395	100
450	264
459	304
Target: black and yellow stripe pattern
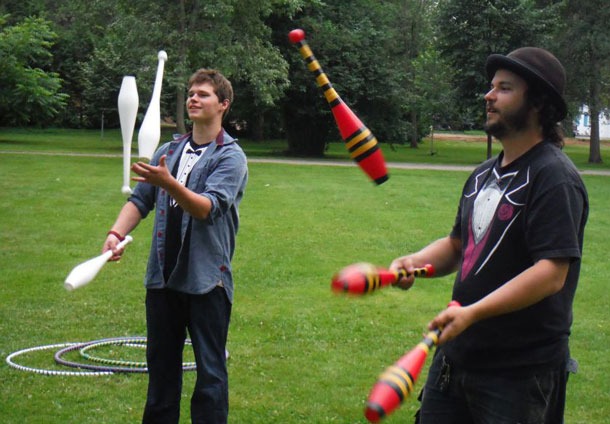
399	378
361	143
313	65
397	382
417	272
372	281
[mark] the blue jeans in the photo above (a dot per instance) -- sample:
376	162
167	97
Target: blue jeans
455	396
168	315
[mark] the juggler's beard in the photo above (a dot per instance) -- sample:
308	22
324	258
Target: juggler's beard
508	122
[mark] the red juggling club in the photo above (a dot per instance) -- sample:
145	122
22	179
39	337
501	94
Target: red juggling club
359	141
397	382
363	278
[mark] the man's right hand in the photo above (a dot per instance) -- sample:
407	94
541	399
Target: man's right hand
407	263
110	244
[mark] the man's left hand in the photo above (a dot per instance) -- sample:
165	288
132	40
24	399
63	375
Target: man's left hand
156	175
453	321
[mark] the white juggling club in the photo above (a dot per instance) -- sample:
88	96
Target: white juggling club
150	130
128	103
85	272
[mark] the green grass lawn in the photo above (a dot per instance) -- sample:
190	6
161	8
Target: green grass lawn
298	353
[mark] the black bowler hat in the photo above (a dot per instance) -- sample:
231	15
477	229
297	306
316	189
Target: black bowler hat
537	66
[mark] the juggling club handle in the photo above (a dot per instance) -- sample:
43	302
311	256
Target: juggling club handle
425	271
363	278
128	239
392	277
398	381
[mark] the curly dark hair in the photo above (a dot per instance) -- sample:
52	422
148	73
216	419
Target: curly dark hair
547	116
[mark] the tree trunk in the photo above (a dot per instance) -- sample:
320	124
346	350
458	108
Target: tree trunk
414	135
180	106
180	95
308	124
595	155
306	140
413	29
258	126
594	145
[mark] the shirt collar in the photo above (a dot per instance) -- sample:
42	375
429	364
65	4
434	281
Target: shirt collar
221	139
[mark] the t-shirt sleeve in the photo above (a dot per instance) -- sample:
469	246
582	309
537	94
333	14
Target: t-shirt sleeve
553	223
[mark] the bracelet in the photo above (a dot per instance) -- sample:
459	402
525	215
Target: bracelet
117	235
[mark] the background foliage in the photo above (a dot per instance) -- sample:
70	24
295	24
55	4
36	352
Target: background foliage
401	65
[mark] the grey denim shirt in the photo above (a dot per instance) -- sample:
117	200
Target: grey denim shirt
221	175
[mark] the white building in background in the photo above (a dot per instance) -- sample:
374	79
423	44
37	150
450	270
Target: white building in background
582	125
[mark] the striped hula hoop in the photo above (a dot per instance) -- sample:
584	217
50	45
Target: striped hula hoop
130	342
12	363
114	368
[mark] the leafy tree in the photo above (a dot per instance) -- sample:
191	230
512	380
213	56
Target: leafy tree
471	30
81	27
19	9
305	114
29	90
123	38
261	71
433	94
428	93
585	52
355	44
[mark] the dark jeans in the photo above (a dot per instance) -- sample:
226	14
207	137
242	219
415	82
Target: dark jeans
455	396
168	315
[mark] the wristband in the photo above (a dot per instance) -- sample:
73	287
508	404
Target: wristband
117	235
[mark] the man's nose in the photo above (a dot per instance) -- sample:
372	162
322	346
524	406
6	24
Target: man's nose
490	95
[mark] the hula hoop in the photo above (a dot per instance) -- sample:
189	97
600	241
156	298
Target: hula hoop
10	362
116	340
130	342
88	369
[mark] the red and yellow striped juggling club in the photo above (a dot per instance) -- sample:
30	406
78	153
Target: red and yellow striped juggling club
359	141
363	278
397	382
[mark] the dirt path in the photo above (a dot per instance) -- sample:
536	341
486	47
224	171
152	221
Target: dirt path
397	165
483	138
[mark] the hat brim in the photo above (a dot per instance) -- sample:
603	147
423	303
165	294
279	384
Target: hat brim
497	61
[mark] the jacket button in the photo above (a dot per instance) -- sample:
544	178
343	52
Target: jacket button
159	234
223	268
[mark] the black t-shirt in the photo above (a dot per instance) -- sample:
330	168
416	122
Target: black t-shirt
509	218
173	241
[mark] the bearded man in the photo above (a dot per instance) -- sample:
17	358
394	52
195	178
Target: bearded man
516	245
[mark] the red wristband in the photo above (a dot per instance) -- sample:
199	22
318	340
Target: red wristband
117	235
